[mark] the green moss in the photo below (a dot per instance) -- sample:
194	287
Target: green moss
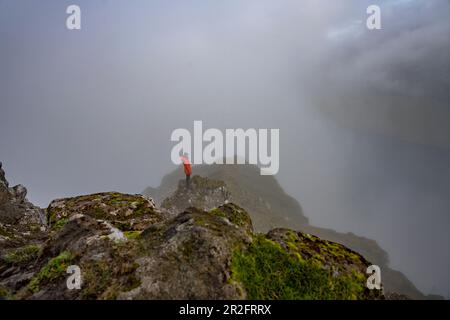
267	271
292	236
218	212
54	269
141	209
53	214
115	199
105	279
60	224
210	222
132	234
318	249
22	255
5	294
234	214
202	220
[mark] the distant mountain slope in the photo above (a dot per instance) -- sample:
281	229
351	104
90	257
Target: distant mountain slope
249	189
270	207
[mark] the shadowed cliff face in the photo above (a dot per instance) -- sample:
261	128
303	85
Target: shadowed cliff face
128	248
270	207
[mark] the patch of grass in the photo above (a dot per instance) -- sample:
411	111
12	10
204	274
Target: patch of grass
105	279
116	199
267	271
98	212
218	212
54	269
97	276
60	224
132	234
142	209
22	255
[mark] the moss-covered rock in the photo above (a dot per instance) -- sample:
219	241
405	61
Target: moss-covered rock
53	270
270	269
126	212
188	257
235	215
132	234
112	274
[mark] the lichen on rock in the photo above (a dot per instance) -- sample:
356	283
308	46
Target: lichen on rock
126	212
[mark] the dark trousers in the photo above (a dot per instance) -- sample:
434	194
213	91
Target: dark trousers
188	181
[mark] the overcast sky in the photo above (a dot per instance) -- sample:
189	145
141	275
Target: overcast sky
363	115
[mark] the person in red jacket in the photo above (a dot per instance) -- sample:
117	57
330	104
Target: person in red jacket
187	168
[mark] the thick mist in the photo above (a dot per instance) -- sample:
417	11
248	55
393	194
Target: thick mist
363	115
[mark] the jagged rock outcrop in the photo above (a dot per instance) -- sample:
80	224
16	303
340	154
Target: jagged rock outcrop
126	248
20	221
188	257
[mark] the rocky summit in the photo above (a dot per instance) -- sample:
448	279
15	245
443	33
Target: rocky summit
197	245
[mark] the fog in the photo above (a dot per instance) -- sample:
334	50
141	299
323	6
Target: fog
363	115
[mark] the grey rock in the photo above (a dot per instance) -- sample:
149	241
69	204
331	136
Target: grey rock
26	220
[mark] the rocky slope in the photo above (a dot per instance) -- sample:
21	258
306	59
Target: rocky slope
270	207
128	248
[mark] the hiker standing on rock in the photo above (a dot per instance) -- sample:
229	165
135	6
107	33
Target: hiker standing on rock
187	168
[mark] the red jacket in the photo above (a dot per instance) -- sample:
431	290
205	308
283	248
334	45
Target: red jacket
187	166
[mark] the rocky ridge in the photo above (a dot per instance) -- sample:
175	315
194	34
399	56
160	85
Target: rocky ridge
270	207
128	248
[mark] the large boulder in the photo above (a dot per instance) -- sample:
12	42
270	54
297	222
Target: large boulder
189	256
125	211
